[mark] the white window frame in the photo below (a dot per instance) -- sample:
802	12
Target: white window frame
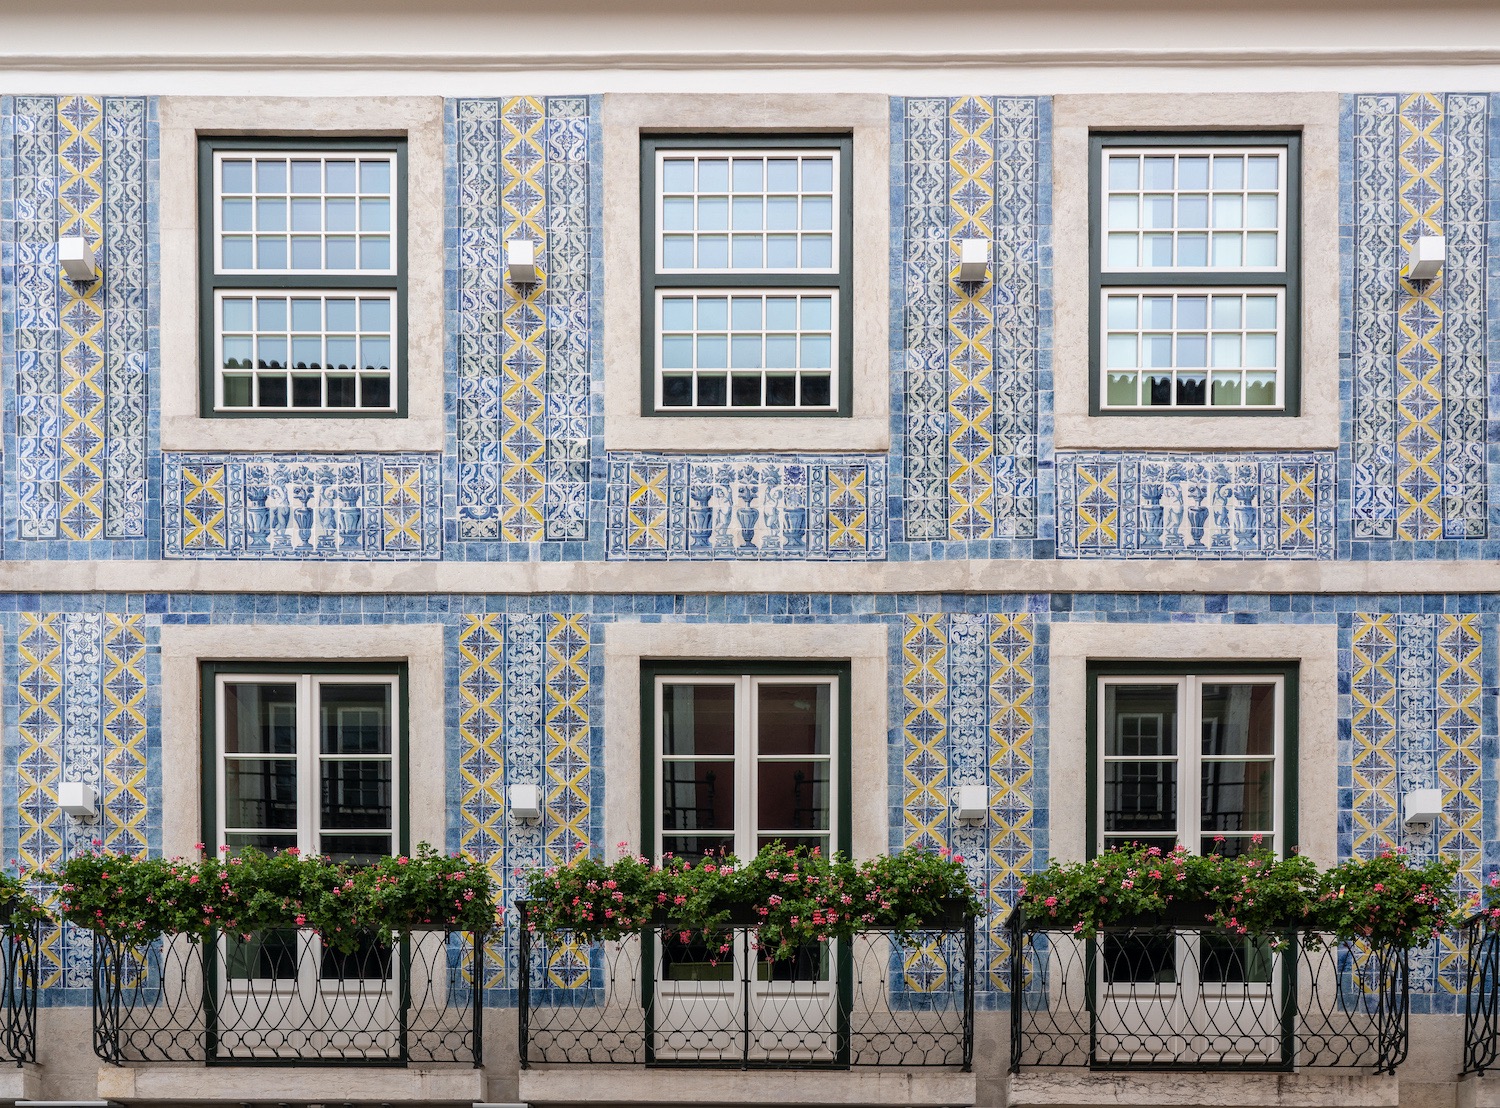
1189	758
746	759
308	755
729	371
391	296
332	153
1106	293
770	150
1145	151
1279	278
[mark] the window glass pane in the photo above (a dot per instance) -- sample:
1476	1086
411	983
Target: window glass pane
697	796
1140	797
793	719
1238	796
308	332
355	794
1239	720
356	719
789	193
1140	720
1205	197
697	719
260	718
260	793
748	331
264	841
363	849
792	796
1183	333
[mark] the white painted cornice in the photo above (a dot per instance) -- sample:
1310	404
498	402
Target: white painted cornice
456	62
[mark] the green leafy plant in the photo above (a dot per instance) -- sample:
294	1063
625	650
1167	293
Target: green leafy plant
1386	900
17	904
139	898
790	896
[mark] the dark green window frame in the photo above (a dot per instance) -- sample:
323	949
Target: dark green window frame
652	281
1289	280
208	674
211	282
1287	671
651	669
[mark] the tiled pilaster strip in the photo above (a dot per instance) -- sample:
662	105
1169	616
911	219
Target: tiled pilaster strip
128	277
1419	358
1012	847
1464	471
479	275
1376	263
32	335
569	336
523	399
1015	297
971	447
924	320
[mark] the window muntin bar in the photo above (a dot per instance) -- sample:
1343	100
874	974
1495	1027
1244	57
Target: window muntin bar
747	349
1203	208
305	212
748	211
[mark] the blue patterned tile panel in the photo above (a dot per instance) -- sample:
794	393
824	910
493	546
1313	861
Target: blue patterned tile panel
79	356
1415	709
1415	381
763	507
1136	505
521	364
303	506
81	707
969	355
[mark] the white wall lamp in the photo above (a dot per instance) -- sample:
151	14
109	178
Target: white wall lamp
973	260
1421	809
76	257
1425	257
525	802
520	262
79	800
972	804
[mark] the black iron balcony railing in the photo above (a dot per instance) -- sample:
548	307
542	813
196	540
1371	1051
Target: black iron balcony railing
1192	997
20	946
284	998
654	999
1482	1010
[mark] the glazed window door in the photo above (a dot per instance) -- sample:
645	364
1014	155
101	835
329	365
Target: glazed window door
1197	761
306	761
743	761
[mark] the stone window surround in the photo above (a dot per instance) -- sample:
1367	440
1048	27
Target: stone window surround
1315	649
420	646
864	646
1316	117
420	121
625	117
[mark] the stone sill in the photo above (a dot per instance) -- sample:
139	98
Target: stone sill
626	1085
22	1082
1058	1088
291	1084
1474	1091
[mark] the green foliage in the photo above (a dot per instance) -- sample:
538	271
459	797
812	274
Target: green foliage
17	905
1387	900
136	899
791	896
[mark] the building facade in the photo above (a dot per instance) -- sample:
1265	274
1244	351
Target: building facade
975	395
